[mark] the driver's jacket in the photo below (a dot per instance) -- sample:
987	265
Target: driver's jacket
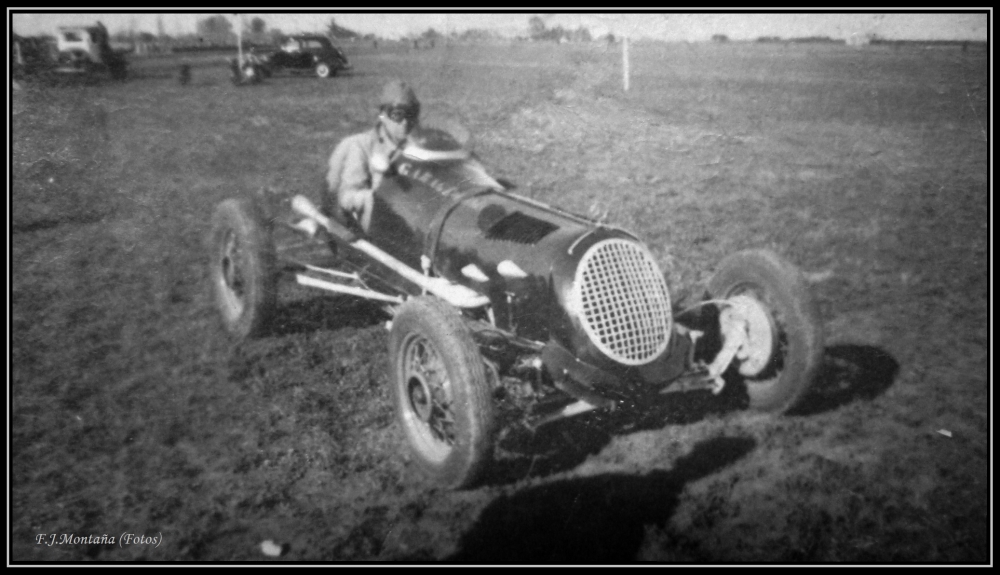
350	179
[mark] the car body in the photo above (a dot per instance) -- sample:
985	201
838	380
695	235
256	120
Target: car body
304	53
492	294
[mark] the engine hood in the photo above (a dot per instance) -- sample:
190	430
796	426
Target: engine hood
438	209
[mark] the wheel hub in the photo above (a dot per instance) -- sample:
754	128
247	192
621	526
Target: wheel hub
748	336
420	399
426	389
232	279
758	334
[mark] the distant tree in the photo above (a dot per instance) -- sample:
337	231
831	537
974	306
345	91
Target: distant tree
429	37
473	35
258	25
720	38
536	28
215	29
337	31
275	35
582	34
214	25
146	37
537	31
816	40
556	34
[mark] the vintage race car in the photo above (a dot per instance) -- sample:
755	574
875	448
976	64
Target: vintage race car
494	296
304	53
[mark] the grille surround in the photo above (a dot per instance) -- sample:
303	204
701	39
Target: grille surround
622	301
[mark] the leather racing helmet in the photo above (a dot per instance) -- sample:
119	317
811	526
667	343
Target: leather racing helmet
399	94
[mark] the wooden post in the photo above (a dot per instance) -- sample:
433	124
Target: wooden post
625	63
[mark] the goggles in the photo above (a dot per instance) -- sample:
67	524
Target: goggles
398	114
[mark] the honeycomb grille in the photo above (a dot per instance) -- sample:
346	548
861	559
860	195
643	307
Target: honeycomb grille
622	301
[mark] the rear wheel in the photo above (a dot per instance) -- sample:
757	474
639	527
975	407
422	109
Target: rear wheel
784	337
323	70
242	267
441	391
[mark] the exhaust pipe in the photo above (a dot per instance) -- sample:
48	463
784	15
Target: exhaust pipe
455	294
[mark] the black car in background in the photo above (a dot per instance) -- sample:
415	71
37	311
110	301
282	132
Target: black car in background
303	53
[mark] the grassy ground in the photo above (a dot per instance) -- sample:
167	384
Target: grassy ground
132	413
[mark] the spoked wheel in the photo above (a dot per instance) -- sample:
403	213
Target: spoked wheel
442	394
242	267
429	399
783	346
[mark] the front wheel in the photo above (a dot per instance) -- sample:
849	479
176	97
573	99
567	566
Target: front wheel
441	391
242	267
323	70
784	337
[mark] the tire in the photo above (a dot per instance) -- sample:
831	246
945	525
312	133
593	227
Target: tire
761	280
242	268
442	394
323	70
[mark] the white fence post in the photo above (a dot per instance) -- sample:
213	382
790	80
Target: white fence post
625	63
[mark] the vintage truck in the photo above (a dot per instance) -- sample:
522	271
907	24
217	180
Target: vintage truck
87	51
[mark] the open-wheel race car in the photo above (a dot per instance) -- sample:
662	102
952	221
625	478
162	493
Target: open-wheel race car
493	295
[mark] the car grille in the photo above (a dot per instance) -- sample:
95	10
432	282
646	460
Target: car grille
622	300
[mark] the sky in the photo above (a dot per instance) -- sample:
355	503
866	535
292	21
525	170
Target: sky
955	25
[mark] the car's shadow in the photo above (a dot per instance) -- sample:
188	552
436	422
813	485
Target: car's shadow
305	75
324	313
598	519
849	372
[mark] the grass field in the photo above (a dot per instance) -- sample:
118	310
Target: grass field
132	413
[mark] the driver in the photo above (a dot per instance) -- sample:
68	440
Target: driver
358	162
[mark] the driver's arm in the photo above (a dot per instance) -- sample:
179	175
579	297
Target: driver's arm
349	180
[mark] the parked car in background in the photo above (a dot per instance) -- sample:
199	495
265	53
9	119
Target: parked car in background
30	56
304	53
87	50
